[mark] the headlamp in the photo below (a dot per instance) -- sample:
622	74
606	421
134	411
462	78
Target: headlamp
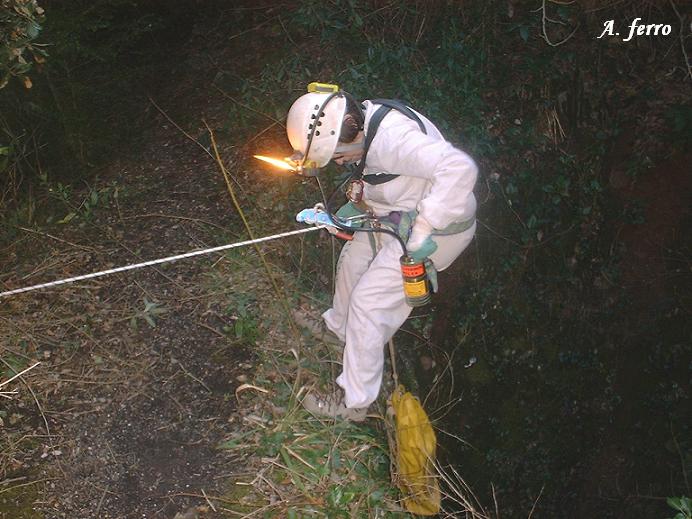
293	163
305	117
284	164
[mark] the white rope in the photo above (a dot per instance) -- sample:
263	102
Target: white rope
156	261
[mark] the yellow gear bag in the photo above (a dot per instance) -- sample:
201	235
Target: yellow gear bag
416	449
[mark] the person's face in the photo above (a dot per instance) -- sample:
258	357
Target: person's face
349	156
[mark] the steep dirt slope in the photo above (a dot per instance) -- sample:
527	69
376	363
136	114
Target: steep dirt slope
136	386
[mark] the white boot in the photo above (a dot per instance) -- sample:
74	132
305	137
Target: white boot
332	406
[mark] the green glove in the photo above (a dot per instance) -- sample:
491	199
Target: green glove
348	210
425	250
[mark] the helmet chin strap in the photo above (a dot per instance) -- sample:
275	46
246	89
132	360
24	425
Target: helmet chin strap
354	146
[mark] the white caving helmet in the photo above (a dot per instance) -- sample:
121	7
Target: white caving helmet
309	112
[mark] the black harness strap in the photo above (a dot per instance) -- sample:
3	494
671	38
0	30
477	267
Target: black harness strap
387	106
400	106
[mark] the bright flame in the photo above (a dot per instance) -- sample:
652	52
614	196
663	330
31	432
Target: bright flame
277	162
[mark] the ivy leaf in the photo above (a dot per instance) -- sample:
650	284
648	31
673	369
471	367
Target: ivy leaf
674	502
32	30
524	33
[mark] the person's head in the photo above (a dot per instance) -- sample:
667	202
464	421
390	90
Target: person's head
327	118
353	121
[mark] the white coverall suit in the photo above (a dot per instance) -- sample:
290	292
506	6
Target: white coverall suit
369	306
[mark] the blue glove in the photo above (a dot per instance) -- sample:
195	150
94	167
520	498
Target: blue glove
317	216
314	216
426	249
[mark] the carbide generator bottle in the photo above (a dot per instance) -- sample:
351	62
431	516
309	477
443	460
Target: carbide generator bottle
416	286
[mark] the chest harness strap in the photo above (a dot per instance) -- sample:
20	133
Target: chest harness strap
387	106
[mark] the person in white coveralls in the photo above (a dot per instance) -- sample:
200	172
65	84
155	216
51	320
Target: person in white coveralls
409	168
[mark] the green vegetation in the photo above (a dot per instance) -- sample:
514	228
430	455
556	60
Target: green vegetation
20	25
298	466
315	469
104	58
550	303
17	502
682	505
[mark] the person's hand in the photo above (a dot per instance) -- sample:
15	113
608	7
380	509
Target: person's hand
317	216
348	210
314	216
421	245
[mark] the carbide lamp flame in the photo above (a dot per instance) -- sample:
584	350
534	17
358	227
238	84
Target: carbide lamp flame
279	163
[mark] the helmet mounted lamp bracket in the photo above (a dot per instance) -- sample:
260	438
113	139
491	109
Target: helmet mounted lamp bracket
300	162
307	167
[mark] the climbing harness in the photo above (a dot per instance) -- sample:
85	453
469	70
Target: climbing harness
419	276
387	105
158	261
417	282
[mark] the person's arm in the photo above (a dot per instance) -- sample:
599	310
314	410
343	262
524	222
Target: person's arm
401	148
